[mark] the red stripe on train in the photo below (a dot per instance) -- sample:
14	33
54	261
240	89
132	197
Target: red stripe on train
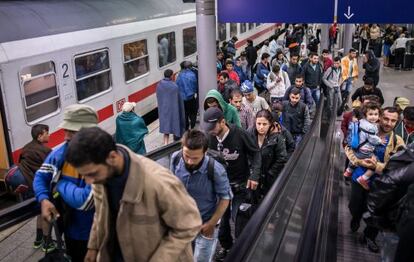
259	34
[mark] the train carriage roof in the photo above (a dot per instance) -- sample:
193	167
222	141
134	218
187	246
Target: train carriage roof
29	19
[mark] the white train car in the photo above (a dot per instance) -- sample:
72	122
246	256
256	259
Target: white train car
101	53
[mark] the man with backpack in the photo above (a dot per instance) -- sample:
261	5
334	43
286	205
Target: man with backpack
244	168
357	203
332	79
305	92
205	179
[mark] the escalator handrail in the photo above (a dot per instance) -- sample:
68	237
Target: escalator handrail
246	241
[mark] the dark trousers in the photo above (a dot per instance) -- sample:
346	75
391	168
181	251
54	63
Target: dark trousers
190	108
358	205
399	57
364	44
225	237
76	249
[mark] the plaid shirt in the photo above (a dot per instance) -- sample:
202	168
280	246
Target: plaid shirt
247	118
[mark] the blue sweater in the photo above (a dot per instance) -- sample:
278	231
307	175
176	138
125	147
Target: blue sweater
58	174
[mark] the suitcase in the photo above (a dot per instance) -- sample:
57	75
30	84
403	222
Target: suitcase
408	62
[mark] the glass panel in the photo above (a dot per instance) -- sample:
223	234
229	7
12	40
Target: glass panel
42	110
136	68
233	29
135	49
35	70
251	26
222	34
91	64
93	85
166	49
190	41
243	28
258	24
40	89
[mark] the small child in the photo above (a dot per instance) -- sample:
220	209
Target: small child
368	140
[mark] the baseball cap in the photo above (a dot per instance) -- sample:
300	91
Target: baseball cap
402	102
78	116
210	118
246	87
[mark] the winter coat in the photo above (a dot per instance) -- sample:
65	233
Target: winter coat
274	157
288	140
170	108
405	227
402	131
231	47
345	62
260	78
332	77
187	82
313	77
230	112
157	219
275	88
387	190
305	95
296	118
31	159
292	71
233	76
361	92
251	54
130	131
372	67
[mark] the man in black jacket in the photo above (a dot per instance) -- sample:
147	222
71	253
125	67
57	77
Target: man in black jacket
251	55
313	72
368	89
387	196
295	116
238	149
371	64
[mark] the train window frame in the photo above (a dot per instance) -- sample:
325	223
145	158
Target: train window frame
195	52
158	51
23	81
75	78
135	59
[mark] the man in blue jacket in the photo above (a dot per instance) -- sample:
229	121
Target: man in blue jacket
61	191
188	85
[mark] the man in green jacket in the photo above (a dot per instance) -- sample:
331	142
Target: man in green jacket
215	99
405	128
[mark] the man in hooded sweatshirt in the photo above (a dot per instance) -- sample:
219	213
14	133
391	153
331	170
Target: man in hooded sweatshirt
215	99
131	129
371	64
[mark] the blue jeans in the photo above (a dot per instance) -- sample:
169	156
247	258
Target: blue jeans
390	240
316	94
18	179
205	247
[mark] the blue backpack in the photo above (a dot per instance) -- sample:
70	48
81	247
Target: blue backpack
353	135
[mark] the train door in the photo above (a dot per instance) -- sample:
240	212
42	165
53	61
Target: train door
4	156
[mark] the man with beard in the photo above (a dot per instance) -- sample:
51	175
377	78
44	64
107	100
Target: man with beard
206	181
142	212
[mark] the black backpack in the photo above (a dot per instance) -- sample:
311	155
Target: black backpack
213	155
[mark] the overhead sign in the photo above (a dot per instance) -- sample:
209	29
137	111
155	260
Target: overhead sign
375	11
274	11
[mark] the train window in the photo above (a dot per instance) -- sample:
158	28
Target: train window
136	60
251	26
233	29
222	34
258	24
190	41
93	74
166	49
41	95
243	28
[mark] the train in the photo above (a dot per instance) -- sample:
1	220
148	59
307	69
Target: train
101	53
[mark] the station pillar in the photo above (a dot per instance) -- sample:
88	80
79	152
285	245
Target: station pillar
206	48
347	40
324	36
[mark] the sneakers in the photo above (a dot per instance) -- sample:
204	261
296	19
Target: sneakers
37	243
347	173
49	246
354	225
221	254
363	182
371	244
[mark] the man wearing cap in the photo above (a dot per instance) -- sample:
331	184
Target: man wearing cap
237	148
131	129
401	103
58	184
250	99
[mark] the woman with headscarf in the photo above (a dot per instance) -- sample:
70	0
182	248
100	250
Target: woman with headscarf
131	129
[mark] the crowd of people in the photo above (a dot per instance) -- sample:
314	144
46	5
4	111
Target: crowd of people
113	204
